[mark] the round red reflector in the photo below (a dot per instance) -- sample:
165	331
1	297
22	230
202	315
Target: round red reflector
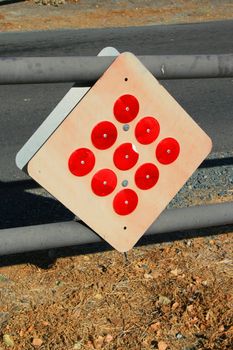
125	156
167	150
147	130
125	202
146	176
81	162
104	135
126	108
104	182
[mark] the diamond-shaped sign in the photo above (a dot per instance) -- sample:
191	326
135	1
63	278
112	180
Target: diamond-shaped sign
121	154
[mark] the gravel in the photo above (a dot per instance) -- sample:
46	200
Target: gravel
207	185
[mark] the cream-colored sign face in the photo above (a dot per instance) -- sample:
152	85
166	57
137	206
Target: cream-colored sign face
122	154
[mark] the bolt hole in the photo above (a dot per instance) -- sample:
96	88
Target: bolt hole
126	79
125	227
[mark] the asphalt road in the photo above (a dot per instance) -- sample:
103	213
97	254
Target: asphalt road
24	107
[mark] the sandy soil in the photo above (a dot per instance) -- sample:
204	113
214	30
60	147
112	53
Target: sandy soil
165	296
92	13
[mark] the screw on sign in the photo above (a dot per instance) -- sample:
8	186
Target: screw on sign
118	158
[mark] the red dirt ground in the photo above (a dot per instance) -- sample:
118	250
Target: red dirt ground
93	13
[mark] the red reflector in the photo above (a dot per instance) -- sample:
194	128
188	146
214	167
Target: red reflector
104	182
146	176
126	108
125	202
81	162
104	135
147	130
125	156
167	150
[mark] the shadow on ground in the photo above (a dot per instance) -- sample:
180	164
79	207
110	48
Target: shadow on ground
18	207
8	2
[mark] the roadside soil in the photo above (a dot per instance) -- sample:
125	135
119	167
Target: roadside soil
28	15
174	295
